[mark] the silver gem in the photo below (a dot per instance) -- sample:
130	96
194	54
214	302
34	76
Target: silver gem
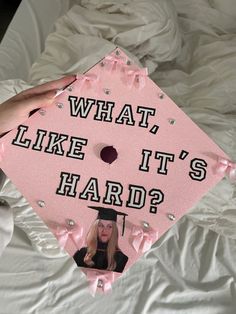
70	222
60	105
161	95
117	52
107	91
100	283
128	62
70	88
42	112
41	203
171	217
172	121
146	224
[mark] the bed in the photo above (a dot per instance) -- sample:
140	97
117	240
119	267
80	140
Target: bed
189	48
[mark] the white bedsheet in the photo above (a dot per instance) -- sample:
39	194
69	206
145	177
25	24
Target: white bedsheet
189	270
192	56
25	36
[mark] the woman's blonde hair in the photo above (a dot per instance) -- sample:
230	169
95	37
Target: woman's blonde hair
92	241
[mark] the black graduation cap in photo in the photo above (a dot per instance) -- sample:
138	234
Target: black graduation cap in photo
109	214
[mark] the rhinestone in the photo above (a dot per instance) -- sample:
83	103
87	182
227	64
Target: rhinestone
137	79
232	173
102	64
60	105
42	112
70	88
100	283
161	95
146	224
172	121
41	203
171	217
107	91
117	52
70	222
128	62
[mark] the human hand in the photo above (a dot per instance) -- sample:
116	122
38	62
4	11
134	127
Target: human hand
17	109
88	259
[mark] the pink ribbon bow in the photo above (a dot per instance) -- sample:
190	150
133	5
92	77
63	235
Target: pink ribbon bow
86	78
102	280
136	77
114	62
63	233
225	166
143	240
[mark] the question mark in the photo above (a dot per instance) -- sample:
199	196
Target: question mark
157	198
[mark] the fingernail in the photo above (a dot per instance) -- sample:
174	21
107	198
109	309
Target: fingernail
72	76
58	92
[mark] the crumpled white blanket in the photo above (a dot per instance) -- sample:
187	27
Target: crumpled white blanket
189	48
6	221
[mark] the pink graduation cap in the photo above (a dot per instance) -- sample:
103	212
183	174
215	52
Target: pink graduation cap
112	146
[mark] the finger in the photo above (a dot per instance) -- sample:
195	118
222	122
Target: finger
53	85
36	101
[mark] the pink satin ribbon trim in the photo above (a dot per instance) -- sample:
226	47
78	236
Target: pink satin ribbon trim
225	166
63	233
83	78
143	240
94	276
136	77
114	62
